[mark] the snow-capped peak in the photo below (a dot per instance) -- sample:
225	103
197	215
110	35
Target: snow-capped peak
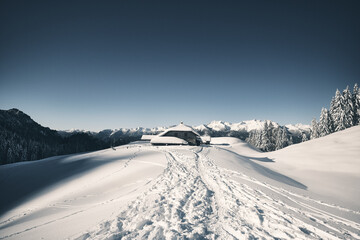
201	127
298	127
219	125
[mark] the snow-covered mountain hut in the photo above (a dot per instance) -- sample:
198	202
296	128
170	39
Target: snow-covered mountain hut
178	135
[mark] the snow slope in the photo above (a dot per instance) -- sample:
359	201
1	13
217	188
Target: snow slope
330	165
227	190
60	196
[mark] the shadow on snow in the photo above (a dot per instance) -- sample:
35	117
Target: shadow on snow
268	172
20	182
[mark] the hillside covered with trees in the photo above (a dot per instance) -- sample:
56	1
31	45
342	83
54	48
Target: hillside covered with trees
22	139
344	113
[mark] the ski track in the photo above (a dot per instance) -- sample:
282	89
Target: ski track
196	199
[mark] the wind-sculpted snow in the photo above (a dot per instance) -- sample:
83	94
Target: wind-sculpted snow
223	191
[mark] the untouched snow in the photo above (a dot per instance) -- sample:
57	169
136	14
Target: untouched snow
227	190
329	165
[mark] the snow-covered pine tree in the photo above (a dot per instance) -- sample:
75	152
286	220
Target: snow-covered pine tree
325	123
356	104
264	139
270	138
314	129
332	113
304	137
282	139
279	140
337	112
254	138
250	138
348	108
271	134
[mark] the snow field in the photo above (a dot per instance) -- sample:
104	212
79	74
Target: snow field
196	198
227	190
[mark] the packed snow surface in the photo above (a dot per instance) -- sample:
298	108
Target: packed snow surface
227	190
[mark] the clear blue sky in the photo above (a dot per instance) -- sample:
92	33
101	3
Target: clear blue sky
110	64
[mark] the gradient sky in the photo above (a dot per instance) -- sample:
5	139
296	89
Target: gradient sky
110	64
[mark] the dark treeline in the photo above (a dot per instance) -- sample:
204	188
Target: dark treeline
22	139
344	113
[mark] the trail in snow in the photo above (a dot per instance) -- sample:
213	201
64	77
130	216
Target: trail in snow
75	204
195	198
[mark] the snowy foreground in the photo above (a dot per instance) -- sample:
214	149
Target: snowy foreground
227	190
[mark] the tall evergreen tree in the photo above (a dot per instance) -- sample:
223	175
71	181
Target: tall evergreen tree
279	139
264	139
356	104
254	138
337	112
282	139
325	123
332	113
271	135
348	108
304	137
314	129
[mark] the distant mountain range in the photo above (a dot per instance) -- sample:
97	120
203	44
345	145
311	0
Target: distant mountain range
214	129
22	139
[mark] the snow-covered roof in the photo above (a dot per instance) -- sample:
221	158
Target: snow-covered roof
182	128
168	140
147	137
